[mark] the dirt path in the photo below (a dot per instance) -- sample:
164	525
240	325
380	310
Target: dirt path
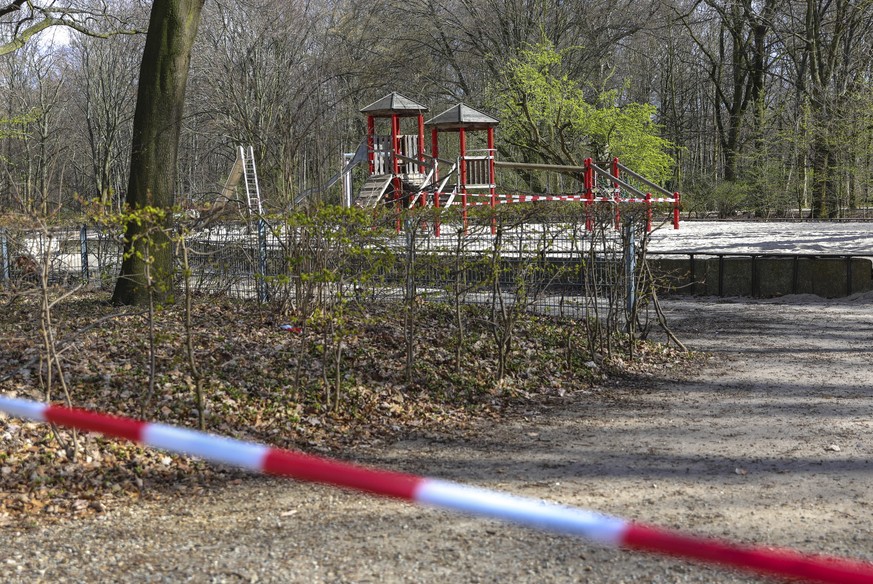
771	444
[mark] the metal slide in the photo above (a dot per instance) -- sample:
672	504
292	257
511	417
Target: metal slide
244	169
359	157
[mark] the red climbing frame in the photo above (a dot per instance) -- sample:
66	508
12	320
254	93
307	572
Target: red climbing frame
476	176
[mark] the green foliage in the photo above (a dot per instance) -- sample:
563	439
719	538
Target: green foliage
547	115
704	196
729	197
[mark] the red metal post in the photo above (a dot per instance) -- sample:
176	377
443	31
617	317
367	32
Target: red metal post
371	142
395	144
676	210
589	194
423	200
462	163
616	193
648	212
435	152
421	168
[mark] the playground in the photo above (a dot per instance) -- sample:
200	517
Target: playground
764	444
392	167
767	444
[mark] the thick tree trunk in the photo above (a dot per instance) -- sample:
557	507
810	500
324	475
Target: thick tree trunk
731	155
825	203
156	127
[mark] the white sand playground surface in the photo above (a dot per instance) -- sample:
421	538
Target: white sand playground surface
765	237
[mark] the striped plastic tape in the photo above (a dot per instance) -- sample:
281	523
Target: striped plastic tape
602	529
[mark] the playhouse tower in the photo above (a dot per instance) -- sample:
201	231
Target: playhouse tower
475	167
394	159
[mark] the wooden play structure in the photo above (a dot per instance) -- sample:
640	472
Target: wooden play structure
400	172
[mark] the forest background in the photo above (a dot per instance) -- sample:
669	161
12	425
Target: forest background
766	106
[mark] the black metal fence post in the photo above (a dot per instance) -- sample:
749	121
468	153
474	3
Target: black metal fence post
4	258
693	274
83	245
630	269
411	229
848	275
260	277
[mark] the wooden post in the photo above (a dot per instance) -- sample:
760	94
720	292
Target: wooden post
371	143
462	172
395	168
435	152
492	178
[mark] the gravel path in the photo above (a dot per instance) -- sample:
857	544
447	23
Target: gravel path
772	443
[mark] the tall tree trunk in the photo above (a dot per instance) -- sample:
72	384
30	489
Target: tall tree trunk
156	126
731	151
825	192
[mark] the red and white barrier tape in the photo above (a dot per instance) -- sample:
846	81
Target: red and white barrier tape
603	529
480	199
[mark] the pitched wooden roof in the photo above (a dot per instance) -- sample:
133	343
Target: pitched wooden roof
394	104
462	116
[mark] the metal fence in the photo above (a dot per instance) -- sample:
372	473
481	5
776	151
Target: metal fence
226	259
65	255
551	265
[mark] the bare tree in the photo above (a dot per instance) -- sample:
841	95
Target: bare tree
251	50
22	20
829	46
105	97
734	42
37	89
157	123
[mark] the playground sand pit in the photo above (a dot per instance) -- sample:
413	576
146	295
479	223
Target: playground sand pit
770	443
766	237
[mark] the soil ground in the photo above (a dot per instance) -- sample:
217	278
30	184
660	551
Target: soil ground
770	443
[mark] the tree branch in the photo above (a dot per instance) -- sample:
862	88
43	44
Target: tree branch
53	16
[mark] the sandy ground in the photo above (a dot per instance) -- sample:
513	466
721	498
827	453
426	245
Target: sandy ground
808	237
770	443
